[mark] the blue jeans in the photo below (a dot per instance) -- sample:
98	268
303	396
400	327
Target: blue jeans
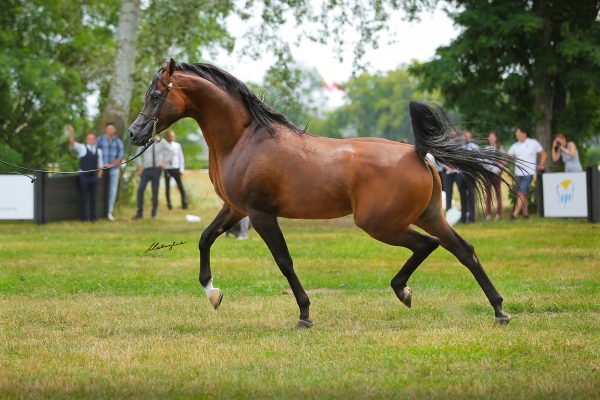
113	184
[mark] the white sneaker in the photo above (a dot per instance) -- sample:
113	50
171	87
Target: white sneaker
110	217
242	237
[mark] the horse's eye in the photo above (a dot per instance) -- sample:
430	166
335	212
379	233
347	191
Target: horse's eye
154	96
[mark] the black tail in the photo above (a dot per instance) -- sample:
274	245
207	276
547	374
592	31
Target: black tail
435	134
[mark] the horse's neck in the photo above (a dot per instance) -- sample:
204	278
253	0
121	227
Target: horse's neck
221	116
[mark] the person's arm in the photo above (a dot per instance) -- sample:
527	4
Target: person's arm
167	154
181	161
79	148
138	161
543	157
119	152
71	131
571	149
100	163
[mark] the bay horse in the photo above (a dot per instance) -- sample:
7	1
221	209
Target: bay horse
263	166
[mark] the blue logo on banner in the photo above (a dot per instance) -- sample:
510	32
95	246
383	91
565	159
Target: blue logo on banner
565	191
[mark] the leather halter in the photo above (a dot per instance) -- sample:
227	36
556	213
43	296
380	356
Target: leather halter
163	97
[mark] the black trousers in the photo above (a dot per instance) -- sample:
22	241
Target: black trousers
467	199
88	188
153	176
175	174
448	180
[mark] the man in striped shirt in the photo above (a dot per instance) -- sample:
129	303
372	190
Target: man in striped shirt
112	154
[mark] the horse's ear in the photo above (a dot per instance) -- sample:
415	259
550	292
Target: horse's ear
171	66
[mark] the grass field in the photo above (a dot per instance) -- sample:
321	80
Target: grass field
85	313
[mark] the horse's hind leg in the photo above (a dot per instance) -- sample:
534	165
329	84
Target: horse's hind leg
225	219
267	227
421	246
465	253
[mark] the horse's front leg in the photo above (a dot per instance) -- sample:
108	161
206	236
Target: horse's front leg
267	227
225	219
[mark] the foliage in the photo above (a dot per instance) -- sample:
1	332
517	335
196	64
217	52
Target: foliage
377	106
50	53
593	156
55	53
187	32
292	89
533	64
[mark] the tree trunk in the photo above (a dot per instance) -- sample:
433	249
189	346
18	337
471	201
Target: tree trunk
543	81
544	109
121	87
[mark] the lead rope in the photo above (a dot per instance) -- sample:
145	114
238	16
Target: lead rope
150	142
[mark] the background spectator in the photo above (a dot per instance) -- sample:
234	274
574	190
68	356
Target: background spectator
90	157
526	151
467	191
567	151
175	170
150	165
495	188
112	151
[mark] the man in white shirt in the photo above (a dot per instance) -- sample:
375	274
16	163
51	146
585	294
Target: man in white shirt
526	151
175	170
90	157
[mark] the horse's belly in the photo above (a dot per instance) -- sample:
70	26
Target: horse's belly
313	199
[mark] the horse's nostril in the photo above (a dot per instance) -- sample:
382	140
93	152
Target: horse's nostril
130	135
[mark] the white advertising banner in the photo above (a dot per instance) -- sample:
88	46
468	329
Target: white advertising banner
565	194
16	197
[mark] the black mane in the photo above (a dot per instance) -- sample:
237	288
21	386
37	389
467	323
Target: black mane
264	115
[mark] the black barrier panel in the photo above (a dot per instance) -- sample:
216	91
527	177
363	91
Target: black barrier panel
593	189
58	198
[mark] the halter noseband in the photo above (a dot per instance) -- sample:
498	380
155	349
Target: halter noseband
157	137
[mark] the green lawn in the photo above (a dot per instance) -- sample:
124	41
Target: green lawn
84	312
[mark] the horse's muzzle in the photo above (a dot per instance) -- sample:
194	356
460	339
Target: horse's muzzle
139	136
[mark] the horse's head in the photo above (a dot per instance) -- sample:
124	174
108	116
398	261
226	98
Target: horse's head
161	107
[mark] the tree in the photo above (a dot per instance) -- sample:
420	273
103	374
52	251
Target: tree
377	106
50	52
121	84
534	64
292	89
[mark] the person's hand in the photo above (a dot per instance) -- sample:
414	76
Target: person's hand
70	129
139	171
541	167
100	174
106	165
180	172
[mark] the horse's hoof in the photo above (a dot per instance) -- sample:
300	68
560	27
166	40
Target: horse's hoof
215	298
405	296
304	324
503	319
